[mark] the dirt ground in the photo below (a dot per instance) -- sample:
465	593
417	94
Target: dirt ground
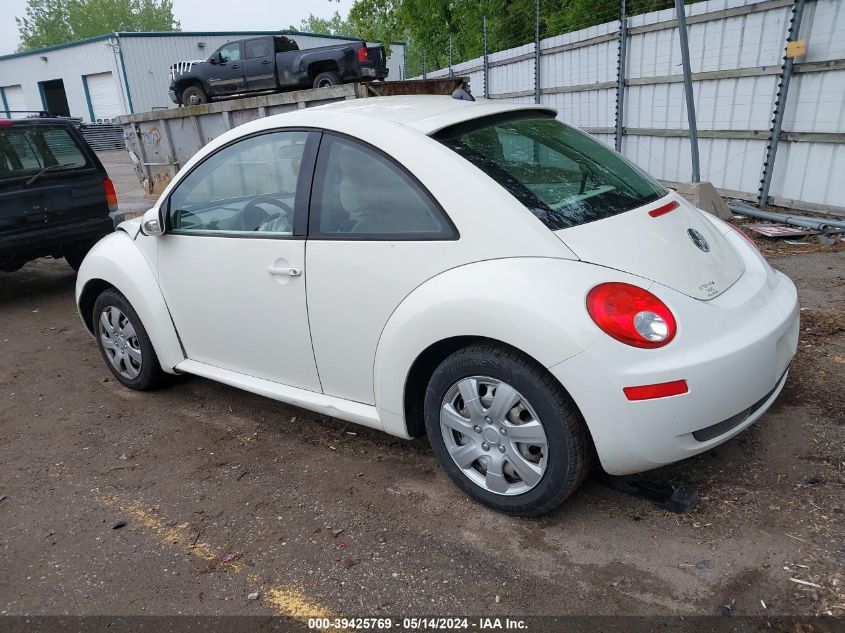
226	494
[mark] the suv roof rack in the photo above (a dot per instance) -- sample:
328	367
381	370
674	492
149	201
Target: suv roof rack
38	113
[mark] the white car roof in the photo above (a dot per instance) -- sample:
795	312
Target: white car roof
425	113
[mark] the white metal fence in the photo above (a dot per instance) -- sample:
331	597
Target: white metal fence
737	53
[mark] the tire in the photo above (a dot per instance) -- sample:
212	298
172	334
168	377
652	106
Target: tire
329	78
556	468
139	368
193	95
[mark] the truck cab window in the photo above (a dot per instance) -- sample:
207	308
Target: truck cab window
230	53
257	48
284	45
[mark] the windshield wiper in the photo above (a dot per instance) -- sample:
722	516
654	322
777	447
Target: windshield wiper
44	171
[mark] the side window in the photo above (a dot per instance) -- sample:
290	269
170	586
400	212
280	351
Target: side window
63	148
247	187
284	45
231	53
360	194
256	48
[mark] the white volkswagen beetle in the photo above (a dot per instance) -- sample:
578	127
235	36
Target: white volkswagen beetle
477	272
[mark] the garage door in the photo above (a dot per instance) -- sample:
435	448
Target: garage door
15	100
105	101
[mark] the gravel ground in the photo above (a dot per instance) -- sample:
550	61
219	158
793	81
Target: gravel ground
225	494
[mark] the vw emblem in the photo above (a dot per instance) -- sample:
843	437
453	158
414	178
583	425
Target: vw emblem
698	239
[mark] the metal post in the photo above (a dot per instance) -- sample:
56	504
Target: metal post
486	63
620	77
536	51
780	106
693	128
425	66
451	74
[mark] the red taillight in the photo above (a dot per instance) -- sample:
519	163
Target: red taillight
666	208
362	54
5	122
631	315
661	390
111	194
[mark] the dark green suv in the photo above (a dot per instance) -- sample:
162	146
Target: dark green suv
56	198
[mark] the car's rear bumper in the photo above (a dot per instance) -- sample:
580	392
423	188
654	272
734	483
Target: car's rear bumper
48	240
733	352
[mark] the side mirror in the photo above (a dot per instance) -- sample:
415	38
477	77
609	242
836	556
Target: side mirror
214	59
151	223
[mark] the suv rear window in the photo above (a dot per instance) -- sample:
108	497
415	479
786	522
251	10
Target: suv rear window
563	176
27	150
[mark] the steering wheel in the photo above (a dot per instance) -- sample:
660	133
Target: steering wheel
253	216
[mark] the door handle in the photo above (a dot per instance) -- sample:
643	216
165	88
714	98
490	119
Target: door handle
235	66
265	62
291	272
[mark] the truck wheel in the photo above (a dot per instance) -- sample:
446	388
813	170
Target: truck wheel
194	95
326	79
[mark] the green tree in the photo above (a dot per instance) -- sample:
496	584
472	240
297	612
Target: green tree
334	25
426	25
50	22
377	20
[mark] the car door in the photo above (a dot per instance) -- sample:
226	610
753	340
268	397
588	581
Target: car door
226	76
375	234
259	69
231	263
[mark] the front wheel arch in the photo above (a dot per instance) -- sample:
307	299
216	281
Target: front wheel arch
92	289
117	262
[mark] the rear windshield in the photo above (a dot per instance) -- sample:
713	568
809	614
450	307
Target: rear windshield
27	150
563	176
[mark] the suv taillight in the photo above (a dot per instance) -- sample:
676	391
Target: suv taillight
362	54
111	194
631	315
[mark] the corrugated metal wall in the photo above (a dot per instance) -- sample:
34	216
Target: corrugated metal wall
743	39
68	64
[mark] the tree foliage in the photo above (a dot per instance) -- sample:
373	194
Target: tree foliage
334	25
427	26
50	22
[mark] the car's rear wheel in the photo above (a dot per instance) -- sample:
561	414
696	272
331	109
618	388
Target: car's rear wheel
505	431
124	342
194	95
328	78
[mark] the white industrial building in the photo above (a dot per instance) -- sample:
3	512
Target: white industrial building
103	77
